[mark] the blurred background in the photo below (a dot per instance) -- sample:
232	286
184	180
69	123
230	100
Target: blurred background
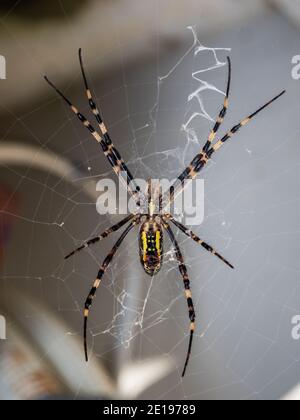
145	58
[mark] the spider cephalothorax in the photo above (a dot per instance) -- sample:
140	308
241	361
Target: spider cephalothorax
153	224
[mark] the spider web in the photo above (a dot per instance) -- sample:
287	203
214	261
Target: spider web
159	117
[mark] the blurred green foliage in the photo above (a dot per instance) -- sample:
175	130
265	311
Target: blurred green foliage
37	10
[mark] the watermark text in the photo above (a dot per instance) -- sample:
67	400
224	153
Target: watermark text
296	328
2	328
154	196
296	68
2	67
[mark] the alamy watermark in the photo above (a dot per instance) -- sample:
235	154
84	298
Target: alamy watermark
296	67
2	67
2	328
188	198
2	318
296	329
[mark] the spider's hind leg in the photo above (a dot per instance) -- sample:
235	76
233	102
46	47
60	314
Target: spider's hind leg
102	271
195	238
188	293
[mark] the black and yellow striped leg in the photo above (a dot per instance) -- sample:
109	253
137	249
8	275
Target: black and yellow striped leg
195	238
97	282
104	235
160	200
203	157
188	174
222	114
151	207
105	135
237	127
188	293
109	151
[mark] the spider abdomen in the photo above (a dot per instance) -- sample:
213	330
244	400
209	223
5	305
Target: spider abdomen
151	246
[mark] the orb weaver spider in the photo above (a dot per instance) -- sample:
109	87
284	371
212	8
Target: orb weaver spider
154	223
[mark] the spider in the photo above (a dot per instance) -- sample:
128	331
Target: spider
154	223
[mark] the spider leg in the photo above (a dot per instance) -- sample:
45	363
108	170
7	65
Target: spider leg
188	293
108	148
102	236
237	127
150	208
211	136
160	198
102	271
222	114
195	238
201	159
104	131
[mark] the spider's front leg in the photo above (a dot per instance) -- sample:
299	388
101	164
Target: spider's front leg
114	156
103	139
97	282
205	154
195	165
188	293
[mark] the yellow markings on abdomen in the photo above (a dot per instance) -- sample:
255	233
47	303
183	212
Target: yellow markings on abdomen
145	245
158	242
